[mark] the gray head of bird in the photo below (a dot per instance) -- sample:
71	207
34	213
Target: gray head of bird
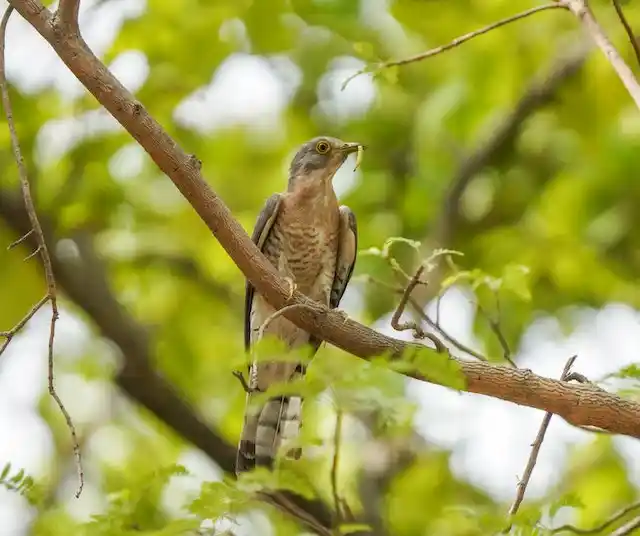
318	160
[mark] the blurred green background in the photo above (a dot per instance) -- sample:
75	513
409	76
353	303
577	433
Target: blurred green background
517	148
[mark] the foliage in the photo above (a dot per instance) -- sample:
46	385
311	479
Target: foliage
547	226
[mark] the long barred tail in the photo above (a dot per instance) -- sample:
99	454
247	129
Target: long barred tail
266	429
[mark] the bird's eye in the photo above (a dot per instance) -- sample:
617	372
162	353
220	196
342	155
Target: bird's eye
322	147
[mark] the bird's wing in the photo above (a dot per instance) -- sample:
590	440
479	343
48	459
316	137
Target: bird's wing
345	262
261	231
347	250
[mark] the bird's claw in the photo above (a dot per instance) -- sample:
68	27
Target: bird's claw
292	287
243	382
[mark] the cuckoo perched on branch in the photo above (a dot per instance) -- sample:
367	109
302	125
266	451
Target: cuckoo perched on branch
312	241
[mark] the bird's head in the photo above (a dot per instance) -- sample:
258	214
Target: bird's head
318	160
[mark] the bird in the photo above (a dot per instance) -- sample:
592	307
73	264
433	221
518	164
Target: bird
312	241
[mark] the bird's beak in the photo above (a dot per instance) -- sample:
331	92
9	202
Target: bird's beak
349	148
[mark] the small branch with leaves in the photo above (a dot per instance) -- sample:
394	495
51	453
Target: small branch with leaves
418	332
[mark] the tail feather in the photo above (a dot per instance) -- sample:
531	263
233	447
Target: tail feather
266	430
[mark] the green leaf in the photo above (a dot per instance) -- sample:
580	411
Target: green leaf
436	367
350	528
629	372
515	278
390	242
284	479
389	74
571	500
5	471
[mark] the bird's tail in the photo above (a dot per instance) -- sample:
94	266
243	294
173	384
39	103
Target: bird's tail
266	429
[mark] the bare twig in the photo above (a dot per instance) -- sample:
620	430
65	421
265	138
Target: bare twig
276	314
445	335
580	8
8	335
42	246
337	438
20	240
33	253
418	332
522	484
456	42
494	325
628	29
603	526
243	382
628	529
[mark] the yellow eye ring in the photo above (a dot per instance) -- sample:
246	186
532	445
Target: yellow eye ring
322	147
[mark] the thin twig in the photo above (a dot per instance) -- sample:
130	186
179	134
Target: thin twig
445	335
418	332
595	530
522	485
33	253
494	325
457	41
627	529
240	377
42	246
580	8
8	335
281	501
334	467
278	313
20	240
627	28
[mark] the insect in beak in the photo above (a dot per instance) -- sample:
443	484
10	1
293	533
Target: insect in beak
359	157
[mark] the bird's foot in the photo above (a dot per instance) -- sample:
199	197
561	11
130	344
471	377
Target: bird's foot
292	287
243	382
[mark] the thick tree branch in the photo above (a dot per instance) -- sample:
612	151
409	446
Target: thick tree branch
67	15
578	404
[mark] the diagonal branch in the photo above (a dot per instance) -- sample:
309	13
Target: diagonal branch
580	8
533	458
627	28
578	404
